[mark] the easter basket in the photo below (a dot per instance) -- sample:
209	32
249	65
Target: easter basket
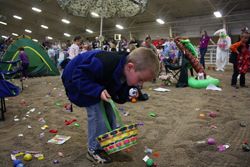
118	139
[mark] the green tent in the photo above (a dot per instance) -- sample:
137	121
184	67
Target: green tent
40	63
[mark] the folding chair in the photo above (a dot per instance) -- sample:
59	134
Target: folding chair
7	89
15	71
174	69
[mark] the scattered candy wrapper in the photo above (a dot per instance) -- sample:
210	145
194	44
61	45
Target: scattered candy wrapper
161	89
201	142
77	124
222	148
44	127
53	131
60	154
29	127
243	124
42	135
156	154
41	120
213	127
68	122
20	135
152	114
59	139
213	87
32	110
148	150
16	119
212	114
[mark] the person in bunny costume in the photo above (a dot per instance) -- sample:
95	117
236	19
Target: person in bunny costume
222	52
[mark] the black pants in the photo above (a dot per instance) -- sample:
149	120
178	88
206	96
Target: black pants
235	75
25	70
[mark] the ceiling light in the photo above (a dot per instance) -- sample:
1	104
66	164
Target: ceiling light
3	23
65	21
15	34
160	21
36	9
5	37
89	31
35	40
217	14
94	14
66	34
49	37
119	26
17	17
45	27
28	31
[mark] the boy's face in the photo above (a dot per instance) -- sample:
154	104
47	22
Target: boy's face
134	77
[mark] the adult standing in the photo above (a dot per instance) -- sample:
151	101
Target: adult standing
204	41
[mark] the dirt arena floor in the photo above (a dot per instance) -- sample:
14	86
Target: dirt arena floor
175	135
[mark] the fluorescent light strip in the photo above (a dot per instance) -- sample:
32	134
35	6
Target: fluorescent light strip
66	34
3	23
5	37
28	31
65	21
17	17
49	37
15	34
45	27
160	21
94	14
89	31
217	14
36	9
119	26
35	40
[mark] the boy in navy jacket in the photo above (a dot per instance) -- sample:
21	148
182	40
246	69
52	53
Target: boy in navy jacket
99	75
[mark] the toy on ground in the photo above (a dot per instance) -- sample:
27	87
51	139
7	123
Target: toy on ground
133	94
195	83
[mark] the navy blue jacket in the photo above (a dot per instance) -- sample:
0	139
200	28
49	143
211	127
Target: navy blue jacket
89	73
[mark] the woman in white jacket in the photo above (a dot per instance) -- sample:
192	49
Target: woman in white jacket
222	52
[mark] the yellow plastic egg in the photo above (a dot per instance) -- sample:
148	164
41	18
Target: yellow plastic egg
27	157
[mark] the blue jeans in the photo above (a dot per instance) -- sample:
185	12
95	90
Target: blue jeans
202	58
96	123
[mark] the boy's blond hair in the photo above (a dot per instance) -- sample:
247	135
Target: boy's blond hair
144	59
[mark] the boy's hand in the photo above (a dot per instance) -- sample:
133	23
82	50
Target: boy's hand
105	95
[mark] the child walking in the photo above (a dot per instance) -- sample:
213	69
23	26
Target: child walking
99	75
241	61
25	62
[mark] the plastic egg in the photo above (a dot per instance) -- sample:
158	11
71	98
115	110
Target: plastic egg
27	157
211	141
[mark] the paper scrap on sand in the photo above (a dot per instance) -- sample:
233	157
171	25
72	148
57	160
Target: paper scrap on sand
161	89
59	139
213	87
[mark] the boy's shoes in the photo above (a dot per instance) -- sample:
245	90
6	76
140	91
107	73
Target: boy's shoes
98	157
235	86
143	97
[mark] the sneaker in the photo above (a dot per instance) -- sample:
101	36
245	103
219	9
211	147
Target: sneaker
98	157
